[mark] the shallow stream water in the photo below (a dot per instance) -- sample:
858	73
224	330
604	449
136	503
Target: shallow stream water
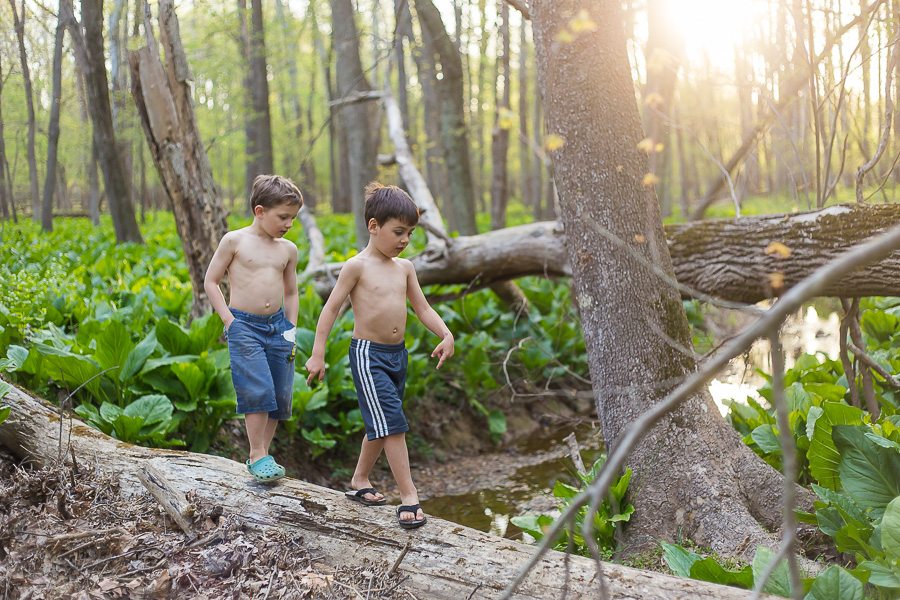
485	491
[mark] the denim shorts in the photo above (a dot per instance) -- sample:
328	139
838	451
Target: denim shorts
379	374
262	363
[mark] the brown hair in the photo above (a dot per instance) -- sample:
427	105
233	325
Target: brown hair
385	202
274	190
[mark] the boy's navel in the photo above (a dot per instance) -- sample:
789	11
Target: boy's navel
395	330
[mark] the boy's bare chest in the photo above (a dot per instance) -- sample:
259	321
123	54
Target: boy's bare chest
383	282
254	255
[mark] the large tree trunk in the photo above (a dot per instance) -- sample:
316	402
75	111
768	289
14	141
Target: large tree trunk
357	117
53	127
453	121
19	25
442	560
163	99
727	259
89	44
693	476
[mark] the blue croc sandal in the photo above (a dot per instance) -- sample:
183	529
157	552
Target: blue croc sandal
265	469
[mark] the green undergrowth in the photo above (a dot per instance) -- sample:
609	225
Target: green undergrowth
107	327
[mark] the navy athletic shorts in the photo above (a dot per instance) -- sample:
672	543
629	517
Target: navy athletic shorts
379	374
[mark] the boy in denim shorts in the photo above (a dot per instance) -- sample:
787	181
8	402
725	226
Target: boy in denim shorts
379	283
261	315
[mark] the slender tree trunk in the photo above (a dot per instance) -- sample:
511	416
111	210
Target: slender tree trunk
260	88
453	120
5	192
500	134
692	473
19	25
339	203
163	99
525	161
357	116
90	45
53	127
665	51
251	136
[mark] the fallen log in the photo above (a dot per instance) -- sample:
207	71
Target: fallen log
729	259
442	560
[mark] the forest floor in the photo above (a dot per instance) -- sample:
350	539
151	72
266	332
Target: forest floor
67	533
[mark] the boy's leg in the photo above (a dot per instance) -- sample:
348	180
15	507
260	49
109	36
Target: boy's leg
368	454
257	425
271	425
398	459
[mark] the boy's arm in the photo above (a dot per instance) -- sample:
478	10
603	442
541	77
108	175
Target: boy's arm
215	272
347	279
291	295
428	315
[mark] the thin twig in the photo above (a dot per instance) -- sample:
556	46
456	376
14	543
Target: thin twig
399	560
865	358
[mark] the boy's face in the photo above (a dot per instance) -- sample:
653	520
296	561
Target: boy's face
277	220
392	237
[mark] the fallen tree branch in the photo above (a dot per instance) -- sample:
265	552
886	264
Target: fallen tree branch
444	560
724	259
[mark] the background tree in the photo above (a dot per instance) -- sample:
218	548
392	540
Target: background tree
19	24
357	115
89	43
53	127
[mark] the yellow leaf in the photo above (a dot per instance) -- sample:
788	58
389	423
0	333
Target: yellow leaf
654	99
620	168
658	147
776	280
582	22
646	145
554	142
779	249
565	37
506	119
639	238
650	180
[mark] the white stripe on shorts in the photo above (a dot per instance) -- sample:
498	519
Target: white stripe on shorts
369	391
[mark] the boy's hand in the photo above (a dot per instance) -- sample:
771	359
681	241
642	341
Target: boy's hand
315	366
443	351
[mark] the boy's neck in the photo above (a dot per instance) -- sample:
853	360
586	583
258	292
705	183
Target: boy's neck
372	251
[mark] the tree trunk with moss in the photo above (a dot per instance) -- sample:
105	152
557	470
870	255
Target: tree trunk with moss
693	476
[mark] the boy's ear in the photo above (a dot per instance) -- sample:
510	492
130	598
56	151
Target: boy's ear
372	226
259	210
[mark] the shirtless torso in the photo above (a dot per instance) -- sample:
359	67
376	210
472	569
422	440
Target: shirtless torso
256	271
378	297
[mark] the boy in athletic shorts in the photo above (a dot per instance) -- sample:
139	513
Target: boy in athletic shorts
379	284
261	315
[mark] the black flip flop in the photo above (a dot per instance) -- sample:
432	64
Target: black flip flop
360	496
414	509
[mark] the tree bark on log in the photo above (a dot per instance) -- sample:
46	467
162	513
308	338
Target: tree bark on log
724	258
444	560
